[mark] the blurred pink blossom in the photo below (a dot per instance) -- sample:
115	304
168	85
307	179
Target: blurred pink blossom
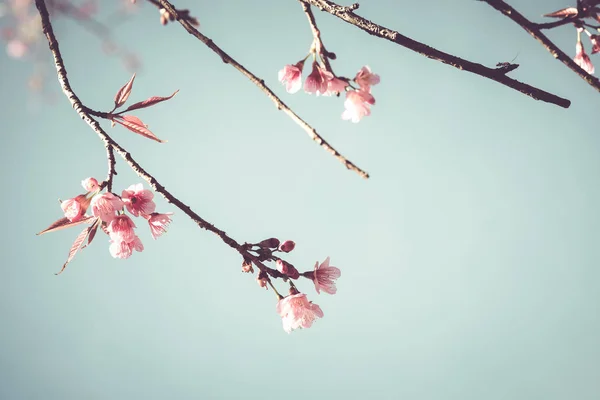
357	105
365	78
159	223
291	76
16	48
336	86
123	249
105	205
318	80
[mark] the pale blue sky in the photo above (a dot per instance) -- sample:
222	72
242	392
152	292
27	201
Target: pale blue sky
469	259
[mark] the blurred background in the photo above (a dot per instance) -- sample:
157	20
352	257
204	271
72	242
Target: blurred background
469	259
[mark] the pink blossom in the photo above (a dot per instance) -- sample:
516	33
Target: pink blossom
73	208
595	44
324	277
297	312
105	205
159	223
138	200
291	76
357	105
336	86
124	249
318	80
365	78
121	228
287	246
90	184
16	48
582	59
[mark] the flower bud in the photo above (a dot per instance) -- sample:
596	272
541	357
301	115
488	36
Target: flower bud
262	279
271	243
90	184
247	267
287	246
282	267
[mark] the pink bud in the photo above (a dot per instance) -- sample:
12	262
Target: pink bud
247	267
262	279
90	184
282	267
271	243
287	246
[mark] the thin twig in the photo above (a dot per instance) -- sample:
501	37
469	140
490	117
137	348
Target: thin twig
534	31
320	47
312	132
347	14
137	168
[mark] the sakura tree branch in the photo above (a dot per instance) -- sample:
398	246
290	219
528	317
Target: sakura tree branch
534	30
318	43
111	145
260	83
496	74
110	157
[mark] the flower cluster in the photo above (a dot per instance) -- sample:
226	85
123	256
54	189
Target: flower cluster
322	81
296	310
108	213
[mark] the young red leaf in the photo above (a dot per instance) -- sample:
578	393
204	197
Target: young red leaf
136	125
75	247
93	231
565	12
64	223
123	93
150	102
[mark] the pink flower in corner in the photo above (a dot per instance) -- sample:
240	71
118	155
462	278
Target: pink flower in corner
297	312
138	200
318	80
357	105
365	78
582	59
291	76
73	208
90	184
121	229
105	205
324	277
122	249
159	223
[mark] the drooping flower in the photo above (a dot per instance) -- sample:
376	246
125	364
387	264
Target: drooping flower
90	184
74	208
297	312
123	249
357	105
291	76
336	86
138	200
159	223
121	228
365	78
318	80
324	277
105	205
581	58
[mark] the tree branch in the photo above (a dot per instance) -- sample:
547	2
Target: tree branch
533	29
347	14
260	83
109	143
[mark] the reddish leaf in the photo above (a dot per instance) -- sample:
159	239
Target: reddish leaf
150	102
136	125
123	93
64	223
565	12
75	247
93	231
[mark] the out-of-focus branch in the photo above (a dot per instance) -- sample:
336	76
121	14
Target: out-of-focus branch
534	30
137	168
347	14
260	83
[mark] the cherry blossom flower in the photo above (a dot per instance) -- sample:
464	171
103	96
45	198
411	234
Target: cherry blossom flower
297	312
124	249
357	105
121	229
90	184
318	80
336	86
159	223
324	277
138	200
581	58
291	76
365	78
105	205
287	246
73	208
